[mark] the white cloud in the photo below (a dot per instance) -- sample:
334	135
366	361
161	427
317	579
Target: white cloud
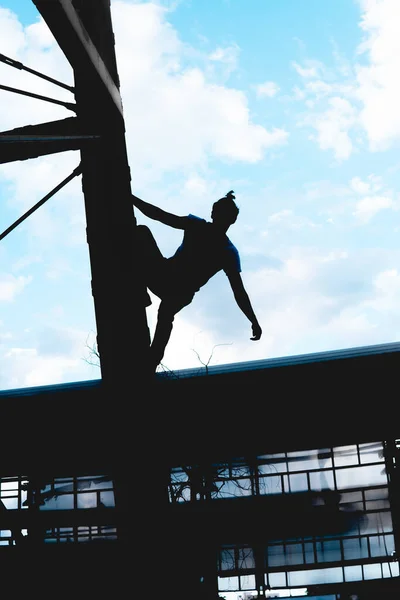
378	81
25	261
25	368
10	286
35	47
387	286
219	64
372	184
180	118
371	89
227	56
56	357
196	185
287	218
359	186
368	207
5	336
333	127
268	89
12	34
312	70
279	216
298	93
319	88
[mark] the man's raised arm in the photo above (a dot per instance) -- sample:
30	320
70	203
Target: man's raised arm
153	212
243	302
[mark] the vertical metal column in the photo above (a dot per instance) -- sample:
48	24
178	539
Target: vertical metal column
84	33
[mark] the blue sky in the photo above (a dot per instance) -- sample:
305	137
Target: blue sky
294	105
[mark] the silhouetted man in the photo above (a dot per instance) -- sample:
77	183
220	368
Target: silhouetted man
205	250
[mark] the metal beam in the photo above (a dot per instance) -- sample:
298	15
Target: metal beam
83	30
74	173
18	65
32	141
74	40
13	90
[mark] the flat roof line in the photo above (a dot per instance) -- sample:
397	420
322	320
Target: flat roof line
252	365
285	361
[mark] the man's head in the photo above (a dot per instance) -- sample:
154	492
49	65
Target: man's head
224	211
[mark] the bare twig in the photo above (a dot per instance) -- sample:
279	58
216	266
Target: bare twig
94	356
206	365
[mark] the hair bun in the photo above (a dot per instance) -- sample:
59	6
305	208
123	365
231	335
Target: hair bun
230	195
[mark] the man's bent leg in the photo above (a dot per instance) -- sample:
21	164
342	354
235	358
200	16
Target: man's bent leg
149	258
166	313
150	253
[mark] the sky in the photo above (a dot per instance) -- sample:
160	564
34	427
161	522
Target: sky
293	105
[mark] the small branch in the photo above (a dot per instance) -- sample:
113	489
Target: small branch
94	357
206	365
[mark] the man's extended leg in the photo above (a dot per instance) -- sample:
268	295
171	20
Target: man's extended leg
166	313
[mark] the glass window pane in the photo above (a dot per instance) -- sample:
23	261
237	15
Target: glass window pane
309	553
377	493
390	569
372	571
314	577
360	477
381	545
240	470
248	582
107	498
377	504
246	558
308	460
228	584
353	573
233	488
372	452
227	559
298	482
272	463
271	485
87	500
351	497
10	503
9	494
276	555
376	523
294	554
322	480
344	456
329	551
354	549
275	580
64	502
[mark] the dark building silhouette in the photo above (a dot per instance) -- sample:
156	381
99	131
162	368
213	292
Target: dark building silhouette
242	484
271	475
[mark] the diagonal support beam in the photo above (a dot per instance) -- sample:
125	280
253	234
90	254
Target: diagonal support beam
74	40
32	141
74	173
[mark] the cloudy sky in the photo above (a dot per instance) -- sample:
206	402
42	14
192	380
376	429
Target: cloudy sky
294	105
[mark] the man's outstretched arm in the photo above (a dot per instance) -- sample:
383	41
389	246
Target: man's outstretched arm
243	302
153	212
